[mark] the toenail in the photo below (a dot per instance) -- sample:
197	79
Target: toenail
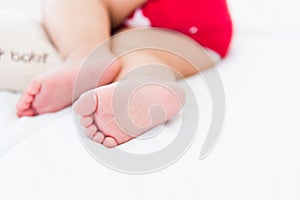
110	142
99	137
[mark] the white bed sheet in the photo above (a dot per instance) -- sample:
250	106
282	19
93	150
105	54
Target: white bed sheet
256	158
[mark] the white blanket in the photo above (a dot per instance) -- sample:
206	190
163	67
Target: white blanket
256	158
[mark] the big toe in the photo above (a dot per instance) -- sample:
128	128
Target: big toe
34	87
22	105
86	104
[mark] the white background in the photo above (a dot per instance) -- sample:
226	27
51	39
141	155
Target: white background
256	158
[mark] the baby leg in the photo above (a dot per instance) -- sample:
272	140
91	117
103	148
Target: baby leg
144	94
75	27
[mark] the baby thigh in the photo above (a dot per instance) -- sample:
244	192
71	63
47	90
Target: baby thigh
186	59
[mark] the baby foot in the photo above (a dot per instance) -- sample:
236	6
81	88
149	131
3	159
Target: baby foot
53	91
116	113
47	93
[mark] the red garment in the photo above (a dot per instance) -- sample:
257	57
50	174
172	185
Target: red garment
206	21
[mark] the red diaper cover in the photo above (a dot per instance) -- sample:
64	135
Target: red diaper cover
206	21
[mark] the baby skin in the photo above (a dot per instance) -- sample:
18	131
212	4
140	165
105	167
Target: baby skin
137	92
53	91
142	97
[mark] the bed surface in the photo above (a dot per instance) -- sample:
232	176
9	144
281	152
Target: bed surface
257	157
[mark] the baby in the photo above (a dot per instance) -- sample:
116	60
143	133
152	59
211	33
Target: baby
77	26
